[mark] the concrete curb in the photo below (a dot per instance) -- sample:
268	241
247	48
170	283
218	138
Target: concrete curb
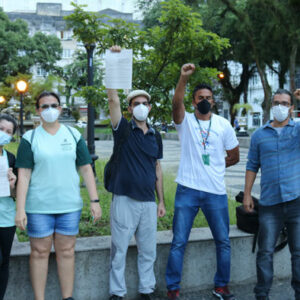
92	266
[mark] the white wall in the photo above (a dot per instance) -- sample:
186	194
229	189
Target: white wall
126	6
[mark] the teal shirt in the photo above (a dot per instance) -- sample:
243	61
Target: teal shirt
54	184
7	208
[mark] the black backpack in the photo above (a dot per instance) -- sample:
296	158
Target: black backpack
249	222
111	166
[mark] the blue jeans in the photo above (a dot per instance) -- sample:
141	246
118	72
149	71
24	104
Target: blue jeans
215	208
271	221
42	225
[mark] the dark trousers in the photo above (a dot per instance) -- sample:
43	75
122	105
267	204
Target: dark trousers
271	221
6	240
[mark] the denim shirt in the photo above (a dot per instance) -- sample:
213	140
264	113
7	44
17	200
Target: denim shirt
278	156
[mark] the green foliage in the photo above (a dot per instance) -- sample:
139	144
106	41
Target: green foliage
178	38
159	51
76	114
35	87
47	51
245	106
94	29
19	51
87	27
12	147
75	77
93	95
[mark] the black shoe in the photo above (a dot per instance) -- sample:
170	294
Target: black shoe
115	297
147	296
262	298
69	298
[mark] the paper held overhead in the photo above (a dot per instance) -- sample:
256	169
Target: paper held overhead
4	183
118	69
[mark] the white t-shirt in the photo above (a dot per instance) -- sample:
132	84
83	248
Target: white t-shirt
192	172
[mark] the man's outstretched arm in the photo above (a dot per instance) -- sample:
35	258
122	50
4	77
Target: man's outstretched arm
178	107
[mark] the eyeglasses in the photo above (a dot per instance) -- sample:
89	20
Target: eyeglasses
53	105
284	103
146	103
205	97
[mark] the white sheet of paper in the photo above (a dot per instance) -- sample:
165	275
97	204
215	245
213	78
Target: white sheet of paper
118	69
4	183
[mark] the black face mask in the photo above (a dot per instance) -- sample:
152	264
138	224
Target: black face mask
203	107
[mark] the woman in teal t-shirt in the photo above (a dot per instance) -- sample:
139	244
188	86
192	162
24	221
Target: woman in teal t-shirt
8	127
48	190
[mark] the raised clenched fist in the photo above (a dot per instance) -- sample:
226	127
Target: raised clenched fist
187	69
297	94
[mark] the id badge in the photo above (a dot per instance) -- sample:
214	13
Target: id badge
205	158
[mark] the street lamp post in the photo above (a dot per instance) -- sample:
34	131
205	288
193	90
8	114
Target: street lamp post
21	87
91	110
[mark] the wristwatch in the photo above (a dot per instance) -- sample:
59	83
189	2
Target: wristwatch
95	201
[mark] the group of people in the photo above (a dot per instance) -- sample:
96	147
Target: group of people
49	204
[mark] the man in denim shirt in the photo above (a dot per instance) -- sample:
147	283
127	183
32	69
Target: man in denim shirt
275	149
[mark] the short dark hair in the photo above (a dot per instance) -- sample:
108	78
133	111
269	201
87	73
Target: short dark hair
201	86
284	92
11	119
45	94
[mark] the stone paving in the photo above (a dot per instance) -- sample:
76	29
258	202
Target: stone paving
235	175
281	290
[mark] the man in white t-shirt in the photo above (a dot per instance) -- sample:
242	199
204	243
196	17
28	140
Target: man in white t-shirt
204	139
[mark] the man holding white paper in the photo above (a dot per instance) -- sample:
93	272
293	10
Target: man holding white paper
138	174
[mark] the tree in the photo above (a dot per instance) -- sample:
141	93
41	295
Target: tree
177	38
75	75
252	20
35	87
46	51
19	52
92	28
217	19
285	31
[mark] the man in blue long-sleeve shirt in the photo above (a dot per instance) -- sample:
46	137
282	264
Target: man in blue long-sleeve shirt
275	149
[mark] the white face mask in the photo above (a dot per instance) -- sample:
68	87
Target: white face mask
4	138
50	114
280	112
141	112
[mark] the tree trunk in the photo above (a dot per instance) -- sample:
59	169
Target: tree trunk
232	114
293	67
266	105
281	77
233	94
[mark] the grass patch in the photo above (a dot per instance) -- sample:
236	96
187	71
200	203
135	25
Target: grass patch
87	228
103	130
12	147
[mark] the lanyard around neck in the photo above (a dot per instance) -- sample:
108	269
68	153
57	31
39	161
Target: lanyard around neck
204	138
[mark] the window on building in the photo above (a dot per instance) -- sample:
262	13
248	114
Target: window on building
41	72
226	114
256	119
65	35
66	53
